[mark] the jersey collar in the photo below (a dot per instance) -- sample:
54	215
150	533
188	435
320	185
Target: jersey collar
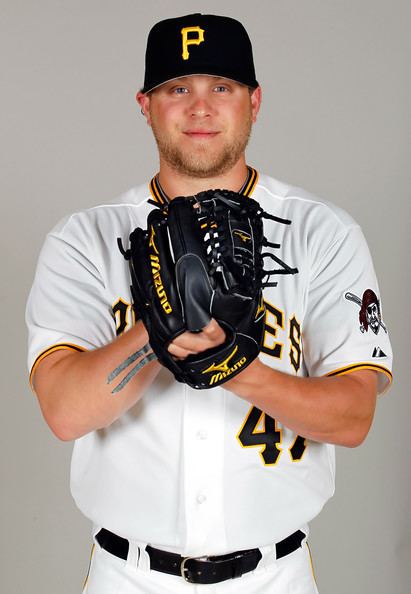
160	198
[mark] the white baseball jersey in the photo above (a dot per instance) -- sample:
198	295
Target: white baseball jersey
203	471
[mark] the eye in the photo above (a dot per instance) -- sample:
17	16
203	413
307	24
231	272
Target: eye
180	90
221	89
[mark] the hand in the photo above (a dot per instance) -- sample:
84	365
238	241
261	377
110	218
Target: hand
191	343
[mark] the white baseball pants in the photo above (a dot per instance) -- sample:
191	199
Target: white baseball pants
108	574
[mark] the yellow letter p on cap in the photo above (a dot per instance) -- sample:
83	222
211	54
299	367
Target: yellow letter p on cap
192	40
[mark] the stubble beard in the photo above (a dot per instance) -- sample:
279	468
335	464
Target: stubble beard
203	162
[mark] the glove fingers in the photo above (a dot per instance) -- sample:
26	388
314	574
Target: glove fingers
140	274
192	277
195	291
153	282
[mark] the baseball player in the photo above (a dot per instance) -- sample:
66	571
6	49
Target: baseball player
206	490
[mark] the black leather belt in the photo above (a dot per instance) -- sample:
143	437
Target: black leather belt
200	570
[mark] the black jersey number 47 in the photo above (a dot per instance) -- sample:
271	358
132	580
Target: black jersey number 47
261	430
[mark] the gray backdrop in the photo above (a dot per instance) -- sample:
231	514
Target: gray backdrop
335	119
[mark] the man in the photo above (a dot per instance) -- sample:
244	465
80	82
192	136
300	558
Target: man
229	476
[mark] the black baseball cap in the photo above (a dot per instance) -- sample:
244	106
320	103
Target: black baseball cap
198	44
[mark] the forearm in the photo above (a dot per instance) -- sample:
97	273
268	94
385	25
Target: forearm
73	389
335	410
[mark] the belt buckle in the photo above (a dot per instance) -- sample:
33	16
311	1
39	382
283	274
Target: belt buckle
184	570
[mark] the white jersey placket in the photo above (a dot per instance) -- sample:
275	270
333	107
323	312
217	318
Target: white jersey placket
203	452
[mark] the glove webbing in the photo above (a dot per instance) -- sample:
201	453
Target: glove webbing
216	241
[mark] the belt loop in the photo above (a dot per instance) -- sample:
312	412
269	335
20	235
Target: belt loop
269	556
143	561
133	556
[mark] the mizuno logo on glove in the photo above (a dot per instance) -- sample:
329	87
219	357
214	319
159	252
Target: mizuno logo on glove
155	271
223	369
243	236
158	283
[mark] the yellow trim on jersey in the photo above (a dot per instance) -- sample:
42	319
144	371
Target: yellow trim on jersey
249	189
155	191
56	347
158	197
356	366
311	564
89	567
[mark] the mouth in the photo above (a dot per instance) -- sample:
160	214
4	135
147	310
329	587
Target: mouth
200	134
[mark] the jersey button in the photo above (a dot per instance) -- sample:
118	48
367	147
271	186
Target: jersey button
201	498
202	434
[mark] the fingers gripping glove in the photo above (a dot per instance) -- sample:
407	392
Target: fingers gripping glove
201	258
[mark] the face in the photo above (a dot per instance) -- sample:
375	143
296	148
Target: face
201	123
373	317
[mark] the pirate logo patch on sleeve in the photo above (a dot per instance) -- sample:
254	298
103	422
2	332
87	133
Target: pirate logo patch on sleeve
370	311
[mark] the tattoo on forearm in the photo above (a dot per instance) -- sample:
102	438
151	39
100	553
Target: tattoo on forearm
133	372
128	362
150	357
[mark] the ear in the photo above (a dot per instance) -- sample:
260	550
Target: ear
144	102
256	98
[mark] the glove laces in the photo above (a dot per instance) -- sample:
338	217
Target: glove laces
242	267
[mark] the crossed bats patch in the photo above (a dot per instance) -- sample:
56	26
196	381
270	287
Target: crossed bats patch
370	311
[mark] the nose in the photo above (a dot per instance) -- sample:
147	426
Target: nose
200	107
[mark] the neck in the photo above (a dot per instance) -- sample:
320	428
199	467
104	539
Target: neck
175	183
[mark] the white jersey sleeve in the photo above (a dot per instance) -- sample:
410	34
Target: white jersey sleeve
68	306
343	327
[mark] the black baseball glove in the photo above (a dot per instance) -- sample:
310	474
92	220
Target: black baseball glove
201	258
